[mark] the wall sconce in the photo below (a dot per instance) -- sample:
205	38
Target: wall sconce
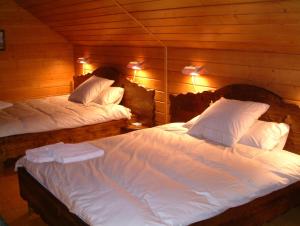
136	66
83	61
192	71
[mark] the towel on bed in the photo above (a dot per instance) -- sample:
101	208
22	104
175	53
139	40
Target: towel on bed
63	153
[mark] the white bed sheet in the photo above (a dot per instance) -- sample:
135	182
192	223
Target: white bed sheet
54	113
163	176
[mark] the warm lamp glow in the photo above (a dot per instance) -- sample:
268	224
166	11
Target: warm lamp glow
192	70
86	68
136	65
81	60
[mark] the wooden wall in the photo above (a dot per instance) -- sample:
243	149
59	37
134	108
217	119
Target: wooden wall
238	41
151	77
37	61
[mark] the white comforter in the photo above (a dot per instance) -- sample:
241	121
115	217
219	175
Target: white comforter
162	176
53	113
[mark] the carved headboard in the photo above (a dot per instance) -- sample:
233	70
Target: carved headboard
139	99
186	106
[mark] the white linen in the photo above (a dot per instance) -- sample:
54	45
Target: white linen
111	95
265	135
4	104
54	113
226	120
64	153
163	176
90	89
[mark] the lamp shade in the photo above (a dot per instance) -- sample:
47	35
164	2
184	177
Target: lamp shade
191	70
135	65
81	60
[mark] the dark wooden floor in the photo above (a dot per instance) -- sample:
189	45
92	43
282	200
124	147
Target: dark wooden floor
14	210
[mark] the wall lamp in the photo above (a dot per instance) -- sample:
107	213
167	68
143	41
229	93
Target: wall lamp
83	61
136	66
192	71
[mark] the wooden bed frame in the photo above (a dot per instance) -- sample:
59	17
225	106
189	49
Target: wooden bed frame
184	107
141	105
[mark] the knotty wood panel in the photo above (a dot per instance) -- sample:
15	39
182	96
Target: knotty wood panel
238	41
151	77
37	61
248	25
279	73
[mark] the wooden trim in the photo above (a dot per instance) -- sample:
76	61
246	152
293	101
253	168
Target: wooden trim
186	106
256	212
51	210
16	145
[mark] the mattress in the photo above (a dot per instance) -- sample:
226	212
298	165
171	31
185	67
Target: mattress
54	113
163	176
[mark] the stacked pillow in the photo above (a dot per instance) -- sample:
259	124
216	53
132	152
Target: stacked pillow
98	90
232	121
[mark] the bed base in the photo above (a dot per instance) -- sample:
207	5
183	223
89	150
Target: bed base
256	212
15	146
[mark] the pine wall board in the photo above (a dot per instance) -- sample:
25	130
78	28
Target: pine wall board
237	41
151	77
37	61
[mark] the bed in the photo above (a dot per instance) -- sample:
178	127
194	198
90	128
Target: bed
164	173
38	122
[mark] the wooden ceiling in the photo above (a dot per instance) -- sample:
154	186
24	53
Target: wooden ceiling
262	25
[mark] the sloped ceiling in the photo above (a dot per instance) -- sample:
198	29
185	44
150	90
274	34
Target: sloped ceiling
268	25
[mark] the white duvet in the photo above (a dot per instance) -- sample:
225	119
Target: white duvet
54	113
163	176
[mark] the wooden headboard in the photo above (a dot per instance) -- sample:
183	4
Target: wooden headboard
139	99
186	106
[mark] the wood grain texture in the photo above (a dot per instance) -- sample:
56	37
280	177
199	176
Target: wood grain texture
138	99
255	212
16	145
248	25
185	106
37	61
151	77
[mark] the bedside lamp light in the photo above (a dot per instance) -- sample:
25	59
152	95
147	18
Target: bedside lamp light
192	71
83	61
136	66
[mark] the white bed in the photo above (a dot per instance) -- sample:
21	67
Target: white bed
55	113
163	176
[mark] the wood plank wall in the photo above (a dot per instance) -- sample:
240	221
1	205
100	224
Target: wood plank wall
37	61
151	77
278	72
238	41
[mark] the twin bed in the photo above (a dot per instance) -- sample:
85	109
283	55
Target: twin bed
33	123
164	176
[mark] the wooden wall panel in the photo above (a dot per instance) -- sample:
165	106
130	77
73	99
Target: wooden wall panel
237	41
37	61
277	72
151	77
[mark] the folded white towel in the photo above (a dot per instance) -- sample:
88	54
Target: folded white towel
43	154
63	153
4	105
76	152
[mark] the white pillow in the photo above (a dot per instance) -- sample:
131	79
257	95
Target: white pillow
4	105
111	95
191	122
226	121
90	89
266	135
